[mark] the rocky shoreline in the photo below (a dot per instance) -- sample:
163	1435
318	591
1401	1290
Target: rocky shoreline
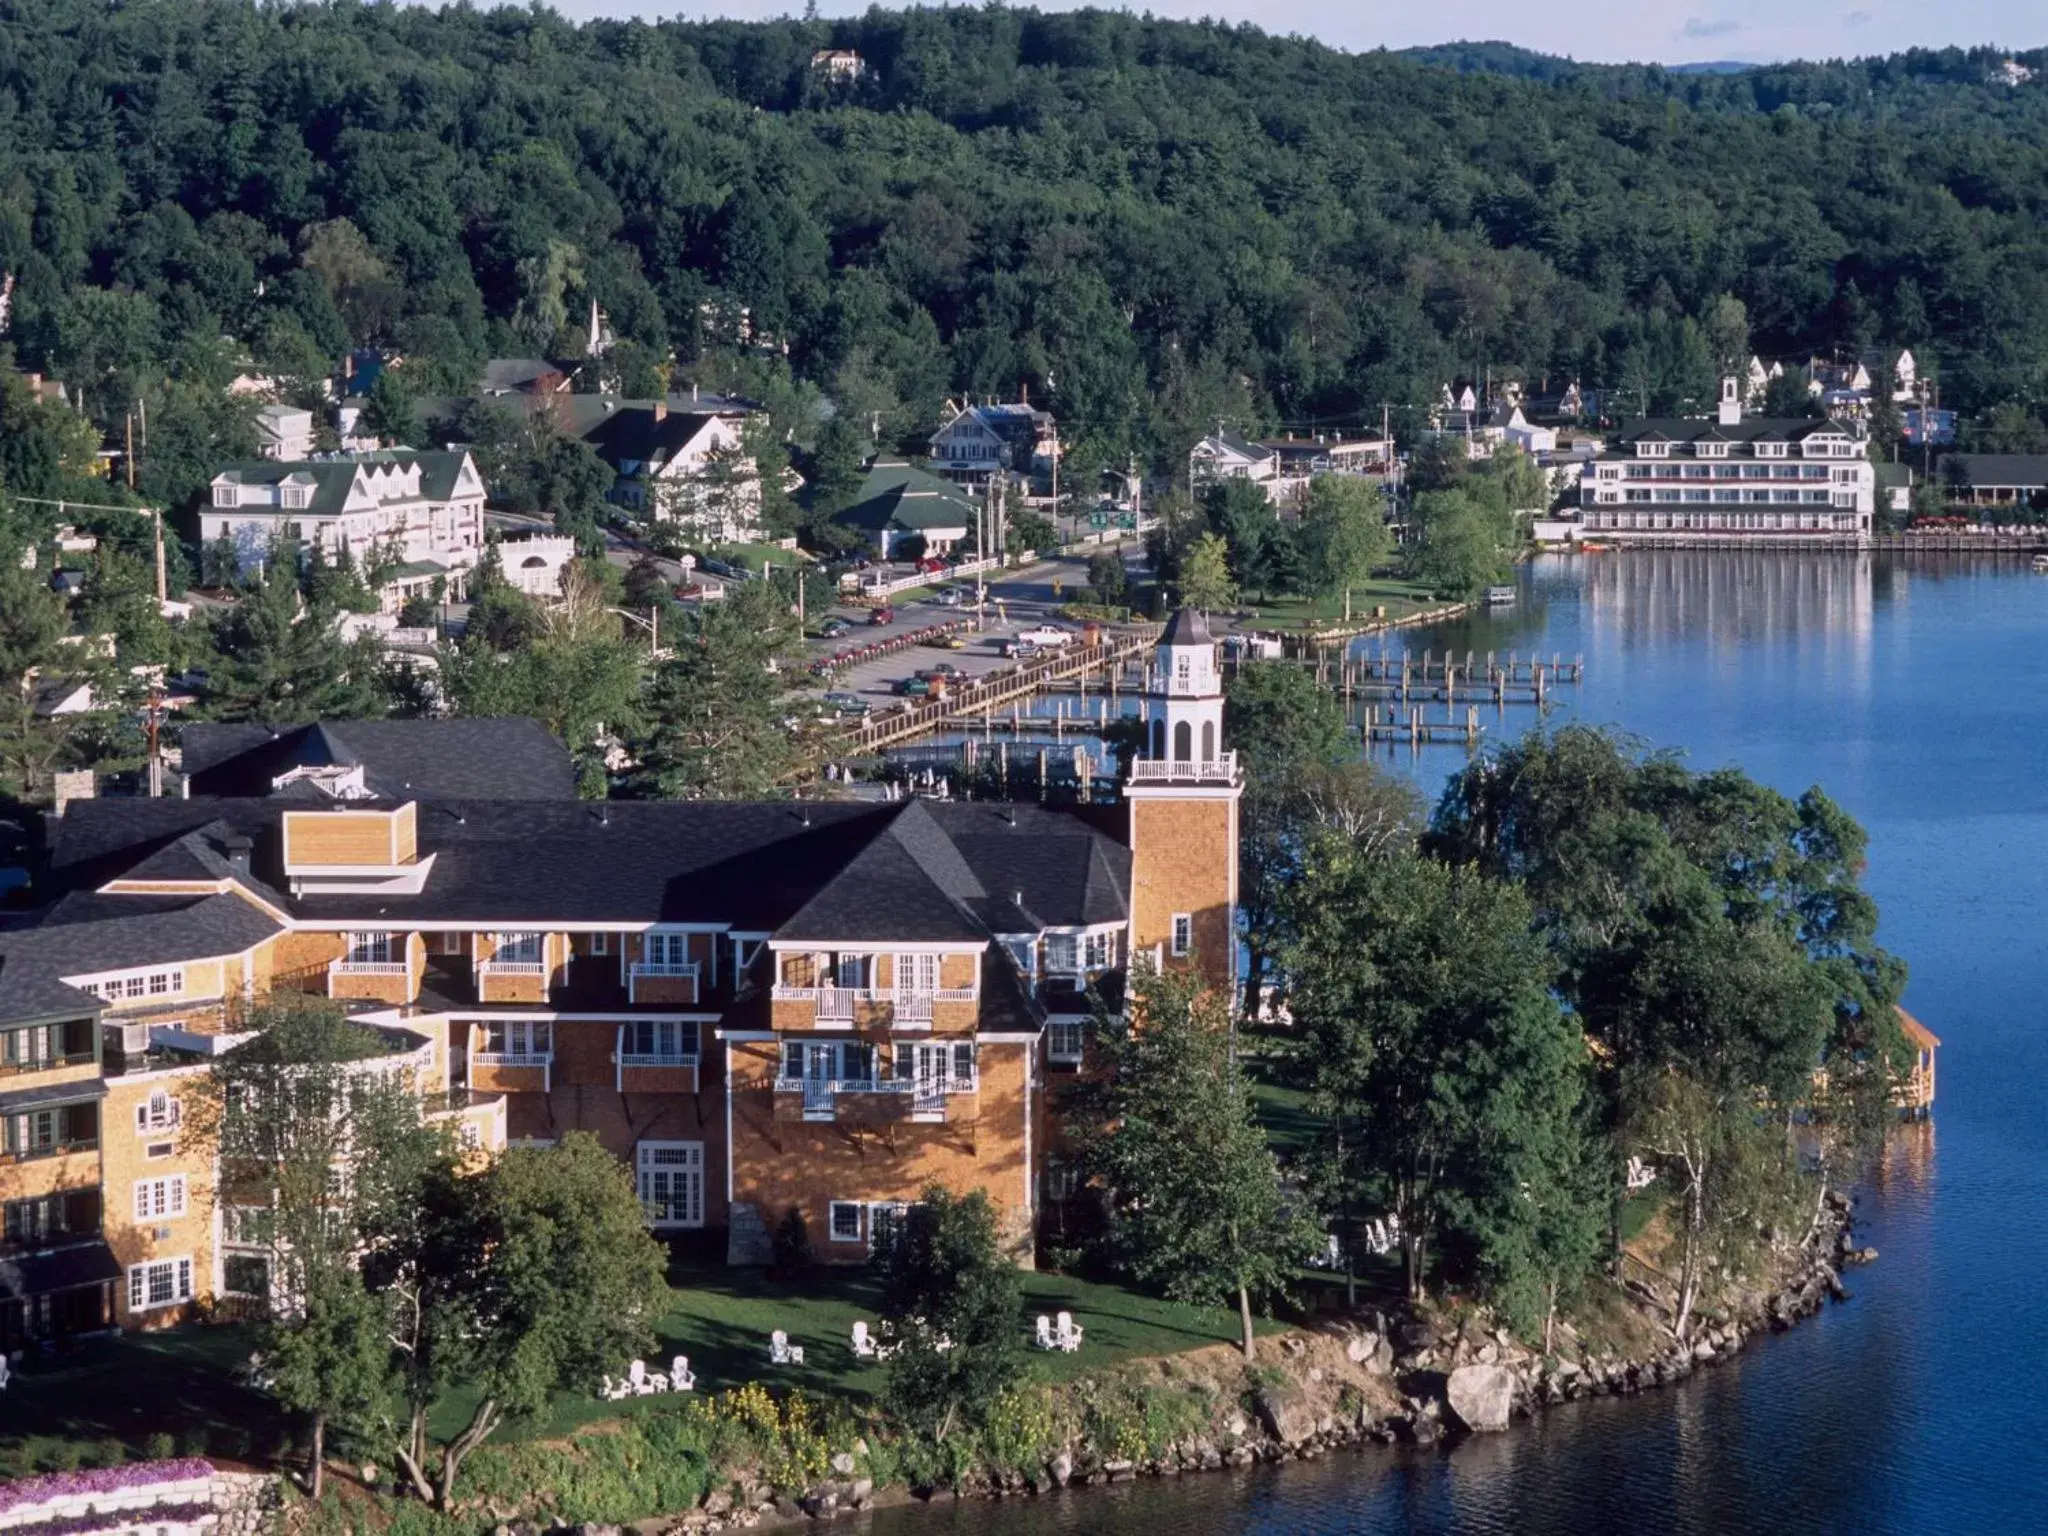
1375	1380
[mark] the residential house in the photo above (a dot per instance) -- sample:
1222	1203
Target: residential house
820	1007
685	467
284	432
902	511
1996	479
1517	431
426	510
1226	456
522	376
980	441
1730	478
1894	488
838	64
536	563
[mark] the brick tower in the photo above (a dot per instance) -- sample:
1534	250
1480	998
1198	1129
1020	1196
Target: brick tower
1183	797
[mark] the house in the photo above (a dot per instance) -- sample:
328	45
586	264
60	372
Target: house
838	64
1894	487
284	432
1757	381
425	510
979	441
1226	456
1730	478
1517	431
757	1007
537	563
1996	479
521	376
1303	458
685	467
902	511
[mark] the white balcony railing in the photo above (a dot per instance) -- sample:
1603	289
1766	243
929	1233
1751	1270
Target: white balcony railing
658	1059
369	968
511	967
513	1058
927	1095
664	970
1220	769
840	1002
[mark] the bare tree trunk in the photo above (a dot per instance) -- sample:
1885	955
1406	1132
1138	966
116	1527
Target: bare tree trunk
481	1423
1550	1317
1689	1271
316	1473
1244	1317
412	1456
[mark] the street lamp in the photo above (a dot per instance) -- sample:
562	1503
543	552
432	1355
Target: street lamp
652	625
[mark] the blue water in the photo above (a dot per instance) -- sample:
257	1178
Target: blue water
1912	693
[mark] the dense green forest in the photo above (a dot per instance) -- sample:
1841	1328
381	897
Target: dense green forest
1155	225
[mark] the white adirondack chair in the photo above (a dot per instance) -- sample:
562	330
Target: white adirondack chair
863	1343
636	1378
1069	1332
680	1376
778	1348
1045	1338
4	1372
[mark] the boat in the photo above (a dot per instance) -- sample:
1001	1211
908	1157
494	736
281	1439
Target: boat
2041	563
1499	597
1593	547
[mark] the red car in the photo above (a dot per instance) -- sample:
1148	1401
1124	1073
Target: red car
882	616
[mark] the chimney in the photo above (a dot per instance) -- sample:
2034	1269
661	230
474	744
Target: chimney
1731	403
661	410
236	847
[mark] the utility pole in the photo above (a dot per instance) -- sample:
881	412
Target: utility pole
152	721
156	515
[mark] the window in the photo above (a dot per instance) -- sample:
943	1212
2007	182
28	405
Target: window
158	1112
38	1132
224	496
1062	954
369	949
158	1150
885	1221
41	1046
295	496
1061	1181
160	1284
670	951
845	1221
140	984
671	1042
518	949
1065	1041
1183	742
159	1199
670	1178
743	952
26	1223
1653	450
600	944
244	1225
516	1039
1098	951
1183	932
828	1061
917	975
245	1274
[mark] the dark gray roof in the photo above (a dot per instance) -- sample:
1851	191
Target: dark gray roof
331	478
31	991
1751	429
506	758
1188	626
909	871
635	434
2002	471
87	931
39	1274
43	1095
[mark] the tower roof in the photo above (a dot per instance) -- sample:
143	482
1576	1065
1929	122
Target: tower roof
1188	626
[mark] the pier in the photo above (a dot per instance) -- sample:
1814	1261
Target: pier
1491	678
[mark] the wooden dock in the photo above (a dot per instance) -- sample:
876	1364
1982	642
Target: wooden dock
1399	725
1491	678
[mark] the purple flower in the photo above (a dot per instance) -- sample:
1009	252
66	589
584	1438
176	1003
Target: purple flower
132	1474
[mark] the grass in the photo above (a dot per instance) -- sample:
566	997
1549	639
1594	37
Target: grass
118	1397
1400	598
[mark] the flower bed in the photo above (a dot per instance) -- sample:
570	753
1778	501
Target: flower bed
33	1502
153	1515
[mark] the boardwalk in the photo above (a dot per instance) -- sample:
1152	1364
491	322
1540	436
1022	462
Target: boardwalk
1403	679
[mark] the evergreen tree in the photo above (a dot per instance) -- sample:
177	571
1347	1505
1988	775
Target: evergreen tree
277	658
715	706
949	1308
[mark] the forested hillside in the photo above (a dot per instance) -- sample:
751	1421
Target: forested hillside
1153	224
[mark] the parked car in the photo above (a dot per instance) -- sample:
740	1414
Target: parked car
847	704
949	597
882	615
931	564
914	687
943	669
832	629
1047	637
947	642
1020	650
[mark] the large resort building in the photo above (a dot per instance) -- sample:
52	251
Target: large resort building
1730	479
757	1007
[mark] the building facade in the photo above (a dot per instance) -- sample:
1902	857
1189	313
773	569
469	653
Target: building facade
758	1008
1730	478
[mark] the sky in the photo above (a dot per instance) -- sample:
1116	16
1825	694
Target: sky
1664	31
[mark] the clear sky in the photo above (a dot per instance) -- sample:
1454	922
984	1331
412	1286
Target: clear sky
1667	31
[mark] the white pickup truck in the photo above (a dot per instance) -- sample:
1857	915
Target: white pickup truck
1047	637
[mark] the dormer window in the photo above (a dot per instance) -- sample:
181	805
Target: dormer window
1710	450
225	496
1654	450
295	497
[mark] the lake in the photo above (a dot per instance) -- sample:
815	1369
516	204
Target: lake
1910	689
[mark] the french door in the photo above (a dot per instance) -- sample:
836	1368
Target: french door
670	1175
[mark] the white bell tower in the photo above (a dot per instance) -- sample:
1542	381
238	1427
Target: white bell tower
1184	707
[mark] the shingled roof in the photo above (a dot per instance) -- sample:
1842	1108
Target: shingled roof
506	758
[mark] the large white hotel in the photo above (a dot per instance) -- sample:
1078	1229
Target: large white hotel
1695	479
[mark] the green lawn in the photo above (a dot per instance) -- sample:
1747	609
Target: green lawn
110	1397
1400	598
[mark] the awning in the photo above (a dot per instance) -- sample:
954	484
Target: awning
86	1092
65	1270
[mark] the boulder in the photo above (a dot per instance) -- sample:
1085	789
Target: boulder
1062	1468
1482	1396
843	1464
718	1502
1281	1409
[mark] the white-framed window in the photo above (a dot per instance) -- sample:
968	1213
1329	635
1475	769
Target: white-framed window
668	950
245	1274
160	1199
158	1113
670	1179
160	1283
844	1220
1061	1181
885	1220
369	949
516	1038
1062	954
518	948
1653	450
1098	951
917	975
1066	1041
600	944
1183	932
668	1042
828	1061
159	983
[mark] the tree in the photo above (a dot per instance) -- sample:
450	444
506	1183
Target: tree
1108	578
1238	512
1432	1042
714	709
1205	580
33	622
1213	1228
534	1277
290	1116
950	1313
388	410
1344	536
1457	544
277	659
1788	396
1280	720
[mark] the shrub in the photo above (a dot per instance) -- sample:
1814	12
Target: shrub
790	1247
